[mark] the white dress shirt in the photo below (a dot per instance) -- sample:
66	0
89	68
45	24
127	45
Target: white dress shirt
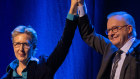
125	49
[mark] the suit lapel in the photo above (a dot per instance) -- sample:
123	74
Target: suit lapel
107	61
128	58
125	65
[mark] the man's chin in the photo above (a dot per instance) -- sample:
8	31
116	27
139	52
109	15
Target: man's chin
114	42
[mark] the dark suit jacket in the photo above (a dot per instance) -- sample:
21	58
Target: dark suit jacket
47	67
131	65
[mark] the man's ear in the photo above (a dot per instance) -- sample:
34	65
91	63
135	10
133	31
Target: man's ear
130	29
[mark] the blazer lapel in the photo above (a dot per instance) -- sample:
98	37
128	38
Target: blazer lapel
125	65
128	58
107	61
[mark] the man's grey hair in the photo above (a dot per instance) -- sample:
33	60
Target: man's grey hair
26	30
129	19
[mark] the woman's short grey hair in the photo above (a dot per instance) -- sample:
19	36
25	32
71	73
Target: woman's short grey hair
129	19
27	30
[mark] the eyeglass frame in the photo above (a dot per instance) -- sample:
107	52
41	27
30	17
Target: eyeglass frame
116	28
25	45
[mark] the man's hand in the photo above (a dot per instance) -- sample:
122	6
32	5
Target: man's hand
82	10
80	2
73	8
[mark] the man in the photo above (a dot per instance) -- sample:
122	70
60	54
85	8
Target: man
121	64
26	66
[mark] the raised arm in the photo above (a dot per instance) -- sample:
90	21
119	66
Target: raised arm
87	31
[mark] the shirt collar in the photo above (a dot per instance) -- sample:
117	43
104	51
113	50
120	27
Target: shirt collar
14	64
127	45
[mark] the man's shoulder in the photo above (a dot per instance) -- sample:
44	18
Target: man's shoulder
137	45
135	49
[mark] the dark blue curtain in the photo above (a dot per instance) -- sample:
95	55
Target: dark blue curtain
48	17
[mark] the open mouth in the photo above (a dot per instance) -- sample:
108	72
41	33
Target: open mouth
114	38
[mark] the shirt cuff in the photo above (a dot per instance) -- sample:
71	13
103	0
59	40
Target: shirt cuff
72	17
82	10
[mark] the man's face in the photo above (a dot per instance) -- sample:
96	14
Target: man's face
121	36
23	48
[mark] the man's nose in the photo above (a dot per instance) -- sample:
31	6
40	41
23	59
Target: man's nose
111	33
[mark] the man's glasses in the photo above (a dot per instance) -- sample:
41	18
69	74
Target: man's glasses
25	45
115	29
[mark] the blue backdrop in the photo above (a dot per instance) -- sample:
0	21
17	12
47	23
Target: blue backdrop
48	17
